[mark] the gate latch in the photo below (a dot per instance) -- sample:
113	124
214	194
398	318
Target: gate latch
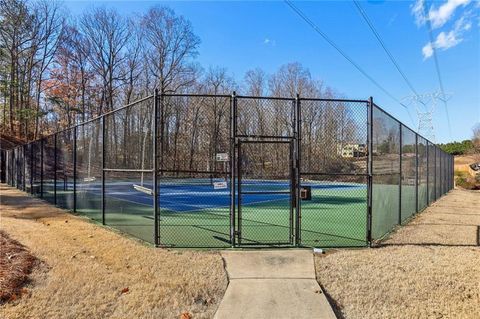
306	193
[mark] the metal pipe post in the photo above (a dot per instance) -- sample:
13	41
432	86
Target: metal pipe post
42	144
156	233
55	169
75	169
400	178
30	156
103	169
370	170
435	189
441	175
428	172
233	131
239	189
298	156
416	172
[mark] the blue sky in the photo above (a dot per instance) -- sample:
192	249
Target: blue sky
242	35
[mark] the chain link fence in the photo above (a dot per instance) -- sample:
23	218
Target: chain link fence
181	170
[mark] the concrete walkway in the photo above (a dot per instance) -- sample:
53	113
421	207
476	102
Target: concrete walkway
272	284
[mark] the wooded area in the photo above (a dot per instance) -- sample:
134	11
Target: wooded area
57	70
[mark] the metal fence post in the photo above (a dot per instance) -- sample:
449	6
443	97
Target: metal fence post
428	172
55	169
370	170
30	156
24	162
400	178
156	234
452	182
298	176
449	172
446	173
103	169
435	173
75	169
416	173
233	132
441	167
41	167
239	190
452	171
12	167
447	180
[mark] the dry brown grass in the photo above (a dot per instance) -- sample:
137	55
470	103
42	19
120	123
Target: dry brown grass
89	268
462	164
427	269
466	159
16	263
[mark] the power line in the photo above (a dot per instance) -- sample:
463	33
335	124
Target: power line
437	65
379	38
326	38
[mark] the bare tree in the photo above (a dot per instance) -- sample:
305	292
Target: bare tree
217	110
169	45
78	50
255	82
292	79
50	24
107	35
16	37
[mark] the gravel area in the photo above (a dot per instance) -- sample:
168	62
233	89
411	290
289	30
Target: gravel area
88	271
429	268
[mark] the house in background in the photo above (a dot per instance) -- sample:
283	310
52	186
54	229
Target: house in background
352	150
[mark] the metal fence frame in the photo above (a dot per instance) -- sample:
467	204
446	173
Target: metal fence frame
14	165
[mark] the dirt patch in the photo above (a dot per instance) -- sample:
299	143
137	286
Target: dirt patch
427	269
97	273
16	263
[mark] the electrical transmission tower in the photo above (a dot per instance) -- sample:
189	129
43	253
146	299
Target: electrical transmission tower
425	105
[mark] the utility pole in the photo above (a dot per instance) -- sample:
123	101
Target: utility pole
425	105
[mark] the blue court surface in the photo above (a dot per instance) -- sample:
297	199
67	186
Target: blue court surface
199	195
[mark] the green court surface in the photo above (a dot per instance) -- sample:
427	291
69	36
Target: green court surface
332	218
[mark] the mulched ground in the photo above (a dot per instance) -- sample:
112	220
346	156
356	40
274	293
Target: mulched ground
89	271
16	264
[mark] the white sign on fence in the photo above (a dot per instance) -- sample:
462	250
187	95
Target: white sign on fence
219	185
222	157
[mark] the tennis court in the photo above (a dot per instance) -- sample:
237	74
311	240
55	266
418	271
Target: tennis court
196	213
239	171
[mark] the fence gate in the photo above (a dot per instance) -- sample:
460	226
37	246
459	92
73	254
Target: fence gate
265	192
265	175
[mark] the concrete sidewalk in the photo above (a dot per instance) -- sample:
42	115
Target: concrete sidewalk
272	284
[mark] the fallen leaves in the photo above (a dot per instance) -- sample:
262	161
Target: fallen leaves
185	315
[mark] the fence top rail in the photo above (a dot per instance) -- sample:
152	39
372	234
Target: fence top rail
195	95
121	108
332	100
266	97
389	115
